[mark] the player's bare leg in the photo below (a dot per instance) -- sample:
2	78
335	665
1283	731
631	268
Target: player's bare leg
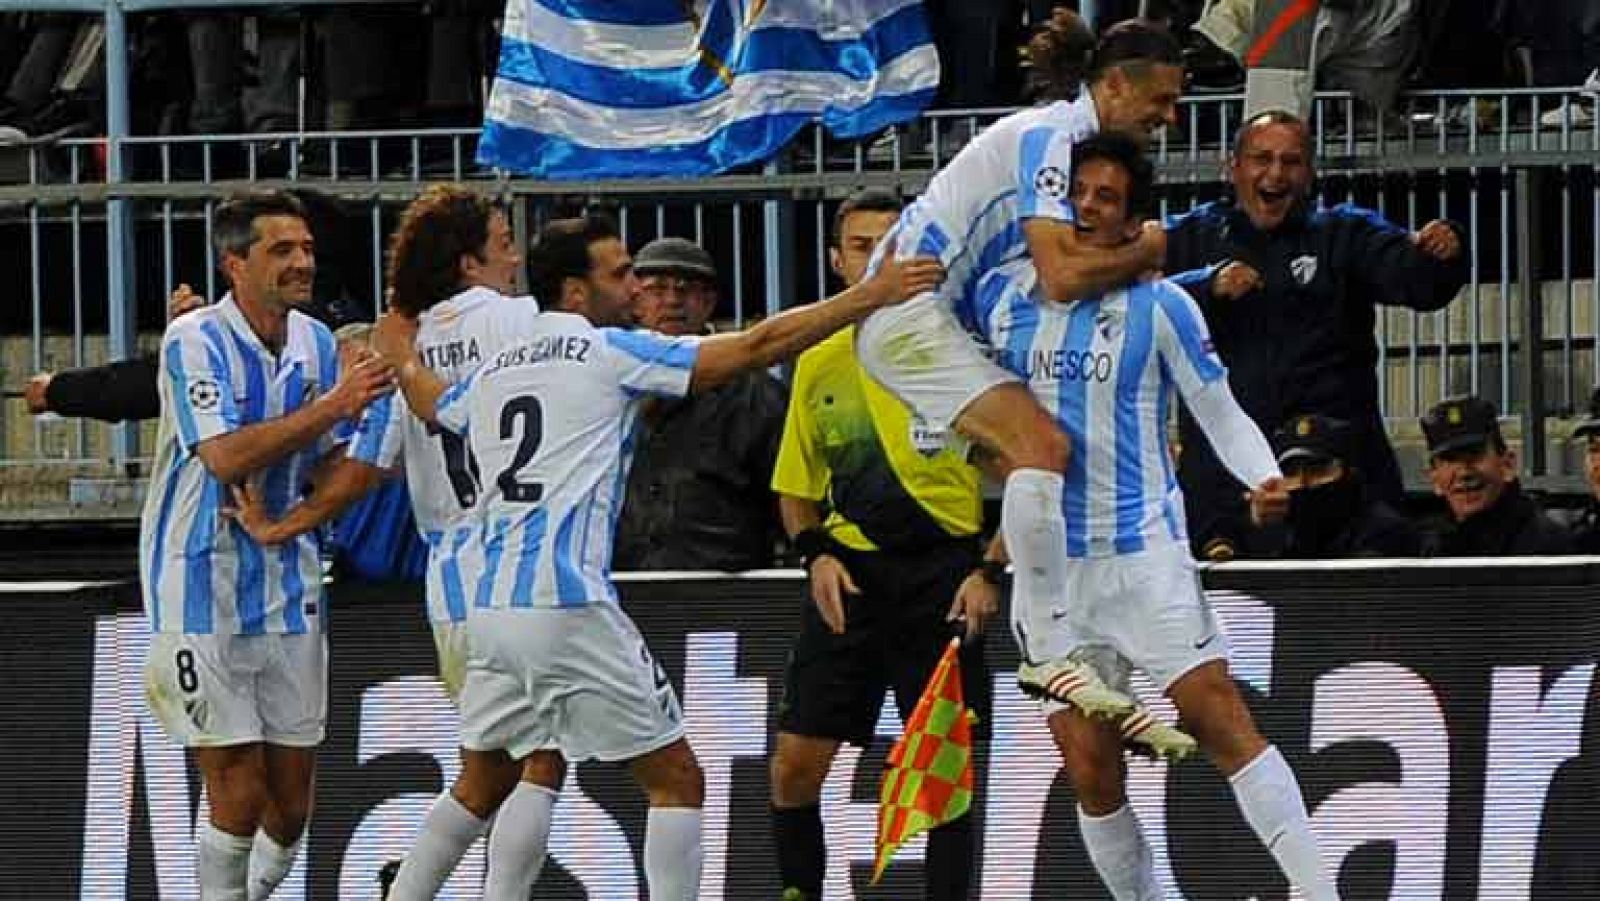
236	785
1092	752
525	792
1268	793
800	764
672	779
290	774
1030	451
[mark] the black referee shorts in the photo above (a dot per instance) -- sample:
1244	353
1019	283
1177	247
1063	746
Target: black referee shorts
895	633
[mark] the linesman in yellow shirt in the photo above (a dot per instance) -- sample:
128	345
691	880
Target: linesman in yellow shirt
886	519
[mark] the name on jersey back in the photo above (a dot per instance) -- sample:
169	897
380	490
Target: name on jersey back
561	348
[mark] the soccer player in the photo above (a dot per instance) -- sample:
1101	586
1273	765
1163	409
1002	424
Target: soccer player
550	423
886	518
452	264
1002	197
1107	367
250	389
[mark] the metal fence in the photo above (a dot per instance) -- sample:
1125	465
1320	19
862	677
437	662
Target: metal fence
1526	186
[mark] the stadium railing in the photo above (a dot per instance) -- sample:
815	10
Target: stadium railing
1527	190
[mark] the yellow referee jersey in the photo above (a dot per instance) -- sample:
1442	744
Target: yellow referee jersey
886	482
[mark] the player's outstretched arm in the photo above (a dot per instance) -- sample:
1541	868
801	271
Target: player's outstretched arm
233	456
1070	269
721	357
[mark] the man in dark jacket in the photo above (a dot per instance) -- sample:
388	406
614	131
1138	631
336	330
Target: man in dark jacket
698	494
1586	529
1476	474
1332	514
1290	293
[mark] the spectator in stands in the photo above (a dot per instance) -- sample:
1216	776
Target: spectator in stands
1364	47
1586	529
1563	41
1290	293
1471	467
240	84
1332	515
698	494
55	89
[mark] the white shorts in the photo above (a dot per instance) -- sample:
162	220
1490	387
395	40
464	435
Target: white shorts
578	679
450	643
211	691
1147	607
919	350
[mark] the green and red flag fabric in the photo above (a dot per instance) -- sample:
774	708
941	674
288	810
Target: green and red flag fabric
927	780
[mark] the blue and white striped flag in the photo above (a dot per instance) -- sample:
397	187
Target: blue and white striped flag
676	88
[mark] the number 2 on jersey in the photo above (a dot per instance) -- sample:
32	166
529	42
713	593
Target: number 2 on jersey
531	412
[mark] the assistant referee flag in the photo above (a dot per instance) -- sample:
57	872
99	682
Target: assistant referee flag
928	779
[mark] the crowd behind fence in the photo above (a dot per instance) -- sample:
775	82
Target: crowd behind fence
1528	193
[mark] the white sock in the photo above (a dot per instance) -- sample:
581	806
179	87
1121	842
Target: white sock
1121	854
1036	538
223	862
269	863
1270	797
447	832
672	853
517	844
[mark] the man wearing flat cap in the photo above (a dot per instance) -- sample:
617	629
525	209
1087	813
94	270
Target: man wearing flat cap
1476	474
1332	513
1586	529
699	494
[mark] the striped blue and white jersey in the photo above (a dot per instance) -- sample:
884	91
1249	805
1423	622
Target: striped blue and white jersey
454	338
551	422
971	214
200	573
1107	368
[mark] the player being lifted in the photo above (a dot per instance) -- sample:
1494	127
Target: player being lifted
1005	196
550	423
1107	367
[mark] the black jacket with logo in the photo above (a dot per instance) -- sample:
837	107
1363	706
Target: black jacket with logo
1515	526
1304	342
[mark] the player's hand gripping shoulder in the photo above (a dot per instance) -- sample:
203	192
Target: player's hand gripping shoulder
897	281
394	338
360	385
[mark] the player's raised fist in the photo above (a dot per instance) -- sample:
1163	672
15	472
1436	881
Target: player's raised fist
1234	281
1269	502
395	338
183	300
1439	240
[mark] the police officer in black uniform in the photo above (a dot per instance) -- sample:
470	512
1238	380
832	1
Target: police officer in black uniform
1476	474
1332	513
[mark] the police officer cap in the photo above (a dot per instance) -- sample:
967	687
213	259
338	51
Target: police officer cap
674	255
1457	423
1312	438
1590	425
